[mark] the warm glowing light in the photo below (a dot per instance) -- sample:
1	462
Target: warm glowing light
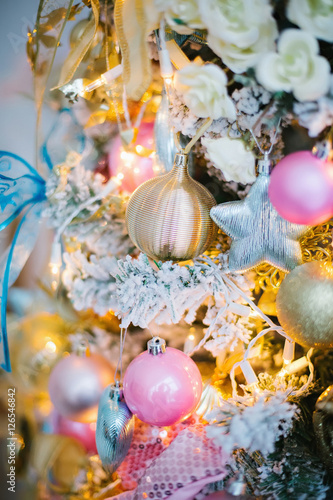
163	434
124	155
54	269
139	148
120	175
191	337
54	285
136	170
254	314
50	346
168	81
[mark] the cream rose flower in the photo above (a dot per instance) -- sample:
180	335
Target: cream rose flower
204	91
230	156
182	15
314	16
239	31
296	67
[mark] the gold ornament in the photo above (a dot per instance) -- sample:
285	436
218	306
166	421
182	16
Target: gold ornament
304	304
323	427
168	217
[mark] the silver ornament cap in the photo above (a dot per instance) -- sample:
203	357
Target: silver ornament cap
114	429
264	165
156	345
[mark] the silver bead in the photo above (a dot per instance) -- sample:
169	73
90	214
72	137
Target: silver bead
115	427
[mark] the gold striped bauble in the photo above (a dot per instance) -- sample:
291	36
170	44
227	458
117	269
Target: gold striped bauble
168	217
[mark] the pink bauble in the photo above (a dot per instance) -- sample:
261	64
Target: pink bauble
131	168
301	190
162	389
76	384
84	433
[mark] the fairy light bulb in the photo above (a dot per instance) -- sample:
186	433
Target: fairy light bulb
166	67
295	366
189	343
288	352
55	264
105	79
248	372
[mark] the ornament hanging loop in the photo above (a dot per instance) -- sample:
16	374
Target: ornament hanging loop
263	152
118	375
116	391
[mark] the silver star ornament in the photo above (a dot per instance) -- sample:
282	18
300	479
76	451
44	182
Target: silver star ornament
258	232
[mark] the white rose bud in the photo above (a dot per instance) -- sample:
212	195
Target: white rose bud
230	156
296	67
314	16
204	91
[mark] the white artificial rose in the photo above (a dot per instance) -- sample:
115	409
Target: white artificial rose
204	91
239	31
182	16
296	67
232	158
314	16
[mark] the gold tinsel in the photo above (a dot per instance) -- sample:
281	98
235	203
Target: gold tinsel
316	244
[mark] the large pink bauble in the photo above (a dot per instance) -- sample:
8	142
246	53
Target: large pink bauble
76	384
162	389
135	169
84	433
301	189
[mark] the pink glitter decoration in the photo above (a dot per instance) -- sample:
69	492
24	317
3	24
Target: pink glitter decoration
174	462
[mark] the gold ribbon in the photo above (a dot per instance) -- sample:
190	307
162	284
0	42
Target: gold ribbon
178	58
79	50
134	20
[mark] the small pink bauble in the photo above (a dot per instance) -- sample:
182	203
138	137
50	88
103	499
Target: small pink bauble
162	386
301	190
76	384
134	168
84	433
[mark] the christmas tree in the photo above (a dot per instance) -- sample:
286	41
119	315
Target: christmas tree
180	343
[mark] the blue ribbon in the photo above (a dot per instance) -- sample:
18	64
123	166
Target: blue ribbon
22	190
66	132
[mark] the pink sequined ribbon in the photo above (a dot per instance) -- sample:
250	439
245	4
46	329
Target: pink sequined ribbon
174	462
